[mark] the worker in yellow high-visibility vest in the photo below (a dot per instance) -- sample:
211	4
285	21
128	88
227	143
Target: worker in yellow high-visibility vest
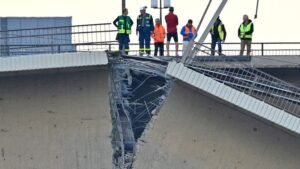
218	35
245	33
124	24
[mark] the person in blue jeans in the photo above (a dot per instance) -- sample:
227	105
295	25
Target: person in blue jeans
124	24
218	35
144	28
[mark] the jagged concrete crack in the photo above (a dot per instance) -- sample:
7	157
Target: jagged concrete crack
138	90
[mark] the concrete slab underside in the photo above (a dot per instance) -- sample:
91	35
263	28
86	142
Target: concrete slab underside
55	121
195	131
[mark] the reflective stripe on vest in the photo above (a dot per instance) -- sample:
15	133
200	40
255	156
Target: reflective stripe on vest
220	30
244	29
187	31
122	28
147	21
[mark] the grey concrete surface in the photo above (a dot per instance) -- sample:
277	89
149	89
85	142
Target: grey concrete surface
276	61
55	121
52	61
262	62
195	131
62	120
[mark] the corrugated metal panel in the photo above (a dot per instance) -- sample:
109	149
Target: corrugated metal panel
253	105
50	61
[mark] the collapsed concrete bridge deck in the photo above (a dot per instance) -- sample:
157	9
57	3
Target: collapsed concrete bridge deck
45	124
56	112
60	118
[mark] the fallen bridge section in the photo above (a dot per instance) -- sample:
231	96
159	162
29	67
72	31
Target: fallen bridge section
235	97
194	130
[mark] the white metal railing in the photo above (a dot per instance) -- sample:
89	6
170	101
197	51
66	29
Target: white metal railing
229	49
76	38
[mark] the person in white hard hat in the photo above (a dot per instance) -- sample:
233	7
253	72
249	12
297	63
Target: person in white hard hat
144	28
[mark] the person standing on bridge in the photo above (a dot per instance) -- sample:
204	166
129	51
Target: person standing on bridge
245	32
124	24
218	35
144	28
172	22
159	35
188	32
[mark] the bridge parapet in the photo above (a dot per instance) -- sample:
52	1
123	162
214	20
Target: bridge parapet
49	40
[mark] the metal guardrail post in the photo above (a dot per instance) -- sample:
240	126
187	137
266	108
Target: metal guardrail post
262	49
109	47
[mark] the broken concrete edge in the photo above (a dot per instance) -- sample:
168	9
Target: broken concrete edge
115	146
141	141
121	158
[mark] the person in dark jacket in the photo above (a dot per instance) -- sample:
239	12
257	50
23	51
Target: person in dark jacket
124	24
245	32
218	35
144	28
